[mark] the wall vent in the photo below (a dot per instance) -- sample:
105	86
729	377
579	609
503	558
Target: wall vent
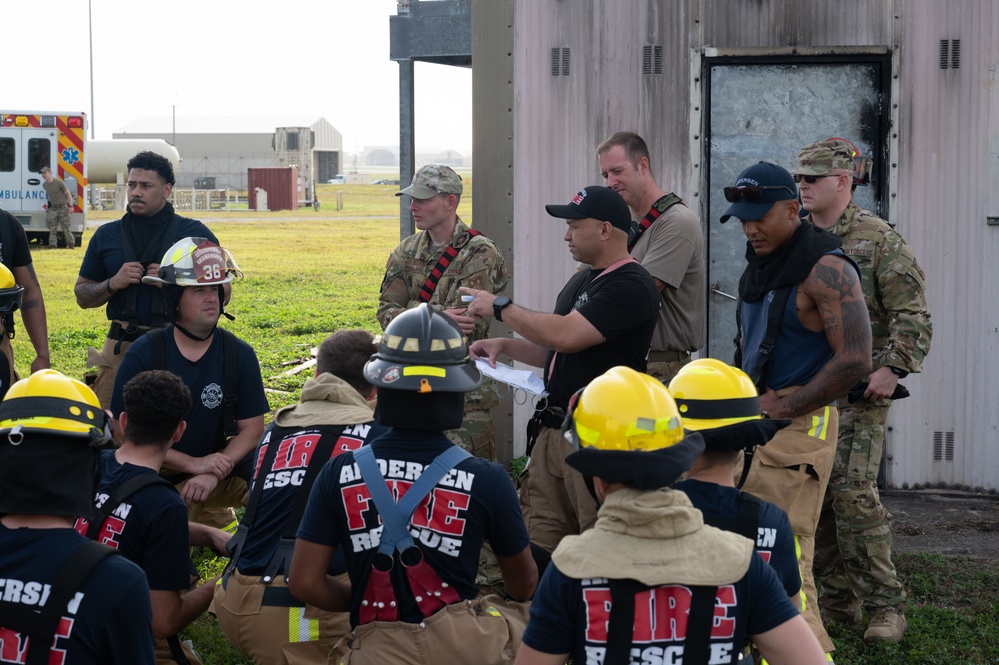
560	61
652	60
950	54
943	446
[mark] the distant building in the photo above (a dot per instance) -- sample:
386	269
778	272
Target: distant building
224	148
388	155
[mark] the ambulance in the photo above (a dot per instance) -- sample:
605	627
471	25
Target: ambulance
30	140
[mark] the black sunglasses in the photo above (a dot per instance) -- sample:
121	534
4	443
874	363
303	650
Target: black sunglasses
810	179
752	193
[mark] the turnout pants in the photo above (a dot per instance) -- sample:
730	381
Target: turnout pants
485	631
553	496
853	543
267	624
792	471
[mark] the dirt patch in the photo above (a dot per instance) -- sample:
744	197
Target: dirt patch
952	523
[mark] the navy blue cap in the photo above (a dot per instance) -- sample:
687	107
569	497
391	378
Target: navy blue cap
601	203
763	174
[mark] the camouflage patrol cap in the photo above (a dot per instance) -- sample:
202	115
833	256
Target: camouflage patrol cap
431	180
824	156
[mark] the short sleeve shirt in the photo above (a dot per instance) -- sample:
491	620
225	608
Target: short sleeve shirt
109	623
205	379
475	501
14	252
624	306
570	616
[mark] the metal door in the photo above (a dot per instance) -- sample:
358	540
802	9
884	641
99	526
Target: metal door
766	109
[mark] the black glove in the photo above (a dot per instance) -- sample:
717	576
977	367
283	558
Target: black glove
857	392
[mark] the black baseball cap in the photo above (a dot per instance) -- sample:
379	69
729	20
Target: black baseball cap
756	191
601	203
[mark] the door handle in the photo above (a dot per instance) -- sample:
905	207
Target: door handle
715	289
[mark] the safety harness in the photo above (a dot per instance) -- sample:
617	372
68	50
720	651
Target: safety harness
658	208
40	627
230	374
427	292
430	592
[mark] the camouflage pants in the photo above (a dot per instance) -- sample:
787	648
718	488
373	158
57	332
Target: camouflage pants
853	542
476	432
57	219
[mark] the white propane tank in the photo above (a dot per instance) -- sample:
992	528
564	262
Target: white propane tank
106	159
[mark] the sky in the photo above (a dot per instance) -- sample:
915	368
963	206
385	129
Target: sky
225	58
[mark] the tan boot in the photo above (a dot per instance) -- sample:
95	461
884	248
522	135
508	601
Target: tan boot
887	625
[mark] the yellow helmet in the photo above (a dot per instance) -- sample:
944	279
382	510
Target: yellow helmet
624	410
10	291
51	403
195	262
628	430
711	394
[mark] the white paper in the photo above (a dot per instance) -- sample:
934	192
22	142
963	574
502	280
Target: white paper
518	378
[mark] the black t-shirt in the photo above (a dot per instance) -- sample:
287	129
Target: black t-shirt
475	501
148	528
109	621
283	480
624	306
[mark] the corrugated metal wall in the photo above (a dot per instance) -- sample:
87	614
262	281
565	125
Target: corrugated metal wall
579	75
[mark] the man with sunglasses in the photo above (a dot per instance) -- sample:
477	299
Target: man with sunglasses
430	266
853	543
805	339
668	242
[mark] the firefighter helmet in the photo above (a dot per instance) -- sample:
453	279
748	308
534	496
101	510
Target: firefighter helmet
10	291
628	429
49	402
195	262
423	351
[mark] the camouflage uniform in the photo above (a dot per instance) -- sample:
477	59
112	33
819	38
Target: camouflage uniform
478	265
57	216
853	541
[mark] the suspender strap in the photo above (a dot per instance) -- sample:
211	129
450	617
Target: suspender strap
239	539
446	258
700	621
158	313
658	208
621	624
775	312
281	560
230	383
67	583
177	651
122	492
230	373
395	517
749	516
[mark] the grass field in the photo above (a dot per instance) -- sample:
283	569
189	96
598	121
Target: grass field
309	273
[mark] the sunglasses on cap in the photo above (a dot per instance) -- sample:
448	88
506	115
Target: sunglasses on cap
810	179
752	193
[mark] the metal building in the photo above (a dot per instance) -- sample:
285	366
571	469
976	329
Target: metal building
224	148
716	85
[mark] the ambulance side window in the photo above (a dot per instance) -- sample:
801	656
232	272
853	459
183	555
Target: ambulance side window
7	161
38	154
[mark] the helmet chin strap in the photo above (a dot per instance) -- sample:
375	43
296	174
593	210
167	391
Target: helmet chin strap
191	335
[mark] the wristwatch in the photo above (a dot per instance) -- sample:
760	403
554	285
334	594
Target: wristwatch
499	304
900	373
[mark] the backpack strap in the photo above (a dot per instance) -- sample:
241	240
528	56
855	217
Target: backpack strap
446	258
40	627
